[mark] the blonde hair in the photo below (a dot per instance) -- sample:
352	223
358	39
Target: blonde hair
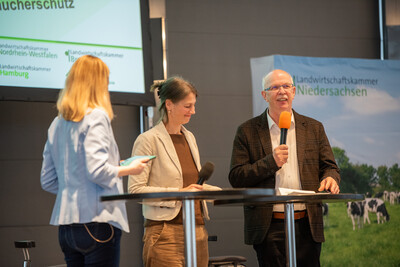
86	87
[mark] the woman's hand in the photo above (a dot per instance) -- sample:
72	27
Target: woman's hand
136	167
192	187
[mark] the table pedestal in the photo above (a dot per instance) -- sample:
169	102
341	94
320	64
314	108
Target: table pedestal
189	228
290	235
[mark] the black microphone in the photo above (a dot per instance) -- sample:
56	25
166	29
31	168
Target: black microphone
205	172
284	123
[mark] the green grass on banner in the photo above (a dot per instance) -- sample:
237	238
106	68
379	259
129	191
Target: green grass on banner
373	245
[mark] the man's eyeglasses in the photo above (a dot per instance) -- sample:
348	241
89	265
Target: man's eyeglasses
286	86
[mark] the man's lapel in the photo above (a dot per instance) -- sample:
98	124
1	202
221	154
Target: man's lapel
300	140
263	133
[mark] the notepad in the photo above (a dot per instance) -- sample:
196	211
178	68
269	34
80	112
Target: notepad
129	160
287	191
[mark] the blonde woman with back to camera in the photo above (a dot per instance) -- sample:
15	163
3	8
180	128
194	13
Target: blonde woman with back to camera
81	163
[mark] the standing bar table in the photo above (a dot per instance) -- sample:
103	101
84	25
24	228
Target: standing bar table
188	198
288	201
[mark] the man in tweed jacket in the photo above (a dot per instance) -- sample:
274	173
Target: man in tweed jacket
305	162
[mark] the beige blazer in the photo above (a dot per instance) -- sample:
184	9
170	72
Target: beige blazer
164	173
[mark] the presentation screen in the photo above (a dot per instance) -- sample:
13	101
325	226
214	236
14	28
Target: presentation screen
41	39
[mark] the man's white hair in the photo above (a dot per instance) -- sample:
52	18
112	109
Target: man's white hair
266	77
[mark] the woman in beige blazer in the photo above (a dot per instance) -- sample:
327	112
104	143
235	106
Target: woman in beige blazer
175	168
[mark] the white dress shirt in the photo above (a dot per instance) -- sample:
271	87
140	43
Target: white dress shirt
288	176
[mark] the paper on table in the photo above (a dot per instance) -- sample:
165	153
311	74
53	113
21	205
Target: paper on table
287	191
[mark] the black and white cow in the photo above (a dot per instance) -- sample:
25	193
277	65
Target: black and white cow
378	195
355	210
377	206
386	195
394	197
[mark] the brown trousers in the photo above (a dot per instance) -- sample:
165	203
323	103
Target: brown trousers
164	246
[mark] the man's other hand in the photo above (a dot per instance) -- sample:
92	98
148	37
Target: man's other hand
329	184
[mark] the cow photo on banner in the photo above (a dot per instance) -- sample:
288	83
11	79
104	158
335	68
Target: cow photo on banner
358	102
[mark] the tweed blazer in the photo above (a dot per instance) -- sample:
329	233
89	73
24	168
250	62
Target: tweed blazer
253	165
164	173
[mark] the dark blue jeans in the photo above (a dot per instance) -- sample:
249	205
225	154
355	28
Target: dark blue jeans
81	250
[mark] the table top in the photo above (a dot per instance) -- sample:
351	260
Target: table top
292	198
237	196
237	193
